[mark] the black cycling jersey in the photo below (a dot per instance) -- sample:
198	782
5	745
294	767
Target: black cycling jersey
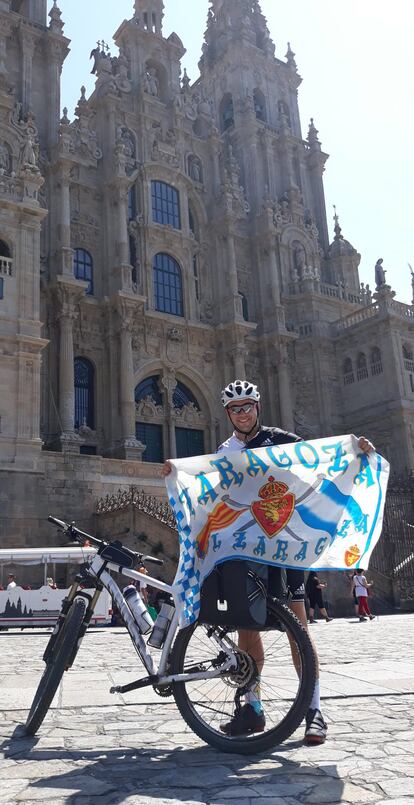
271	436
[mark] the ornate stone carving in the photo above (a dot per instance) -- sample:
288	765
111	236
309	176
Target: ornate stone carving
149	504
148	409
189	415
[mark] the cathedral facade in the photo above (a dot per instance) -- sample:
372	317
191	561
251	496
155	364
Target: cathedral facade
171	238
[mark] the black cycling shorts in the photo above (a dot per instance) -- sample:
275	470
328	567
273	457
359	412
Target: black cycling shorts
287	583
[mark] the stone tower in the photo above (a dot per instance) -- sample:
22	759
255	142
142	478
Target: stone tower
31	57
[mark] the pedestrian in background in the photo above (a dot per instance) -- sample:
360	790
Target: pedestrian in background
314	587
361	590
11	582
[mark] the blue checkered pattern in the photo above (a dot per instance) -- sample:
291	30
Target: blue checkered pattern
187	580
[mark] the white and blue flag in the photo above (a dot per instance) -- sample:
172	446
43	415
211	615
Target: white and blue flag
310	505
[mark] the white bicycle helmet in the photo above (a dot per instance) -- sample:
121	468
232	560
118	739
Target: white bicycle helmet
240	390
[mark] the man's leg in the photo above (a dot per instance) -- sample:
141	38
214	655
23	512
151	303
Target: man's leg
316	727
250	718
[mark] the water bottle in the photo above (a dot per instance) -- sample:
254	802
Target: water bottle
161	625
141	615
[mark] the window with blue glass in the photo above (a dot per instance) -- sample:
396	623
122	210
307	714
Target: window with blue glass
165	204
189	442
84	393
132	203
168	287
149	388
83	268
183	396
151	436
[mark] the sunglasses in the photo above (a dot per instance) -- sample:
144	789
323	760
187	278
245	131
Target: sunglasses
241	409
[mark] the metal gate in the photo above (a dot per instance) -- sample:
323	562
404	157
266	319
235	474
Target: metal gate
393	557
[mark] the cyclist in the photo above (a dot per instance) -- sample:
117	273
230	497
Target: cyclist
241	399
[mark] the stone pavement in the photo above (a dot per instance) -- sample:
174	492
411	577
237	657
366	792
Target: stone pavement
135	749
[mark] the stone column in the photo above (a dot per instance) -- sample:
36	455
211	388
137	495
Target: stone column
27	44
66	374
239	363
66	251
169	383
285	397
127	384
128	447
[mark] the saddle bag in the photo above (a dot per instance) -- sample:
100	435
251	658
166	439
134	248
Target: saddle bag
235	594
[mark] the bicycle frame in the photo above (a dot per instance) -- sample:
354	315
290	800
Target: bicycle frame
99	569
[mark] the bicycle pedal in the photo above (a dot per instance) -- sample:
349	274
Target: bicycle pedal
116	689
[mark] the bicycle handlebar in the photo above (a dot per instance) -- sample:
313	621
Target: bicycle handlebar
81	536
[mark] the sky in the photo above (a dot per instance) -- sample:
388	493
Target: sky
356	59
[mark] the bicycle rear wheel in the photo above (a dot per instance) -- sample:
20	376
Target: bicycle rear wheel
286	693
61	657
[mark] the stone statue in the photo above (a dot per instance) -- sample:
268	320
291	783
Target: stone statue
368	295
96	56
4	158
299	257
195	170
363	294
380	273
152	85
29	159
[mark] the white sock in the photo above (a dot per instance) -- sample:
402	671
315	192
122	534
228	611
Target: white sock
316	698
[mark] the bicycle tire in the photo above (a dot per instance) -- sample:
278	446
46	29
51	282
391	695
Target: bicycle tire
55	668
201	716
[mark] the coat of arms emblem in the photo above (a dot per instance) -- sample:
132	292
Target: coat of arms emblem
275	508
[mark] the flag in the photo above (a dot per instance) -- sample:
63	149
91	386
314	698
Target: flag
310	505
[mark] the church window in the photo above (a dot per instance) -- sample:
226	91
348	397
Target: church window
6	263
165	204
348	372
259	105
362	369
376	361
196	278
408	357
83	268
132	203
149	388
133	258
84	393
152	436
226	113
183	396
168	290
245	307
189	442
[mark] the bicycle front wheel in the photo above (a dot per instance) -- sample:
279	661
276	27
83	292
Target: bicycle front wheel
66	644
287	682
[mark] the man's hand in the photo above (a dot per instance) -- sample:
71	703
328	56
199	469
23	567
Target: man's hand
166	470
365	445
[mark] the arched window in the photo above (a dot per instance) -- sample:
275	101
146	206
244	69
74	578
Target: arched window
132	203
84	393
226	113
189	441
168	291
149	388
4	249
183	396
259	105
83	268
150	433
165	204
245	307
376	361
348	372
362	369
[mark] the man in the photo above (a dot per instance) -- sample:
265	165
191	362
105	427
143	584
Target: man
241	399
11	582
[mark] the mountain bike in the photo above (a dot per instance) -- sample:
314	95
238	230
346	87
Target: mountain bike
201	666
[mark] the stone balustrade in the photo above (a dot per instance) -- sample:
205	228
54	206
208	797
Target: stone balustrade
6	266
